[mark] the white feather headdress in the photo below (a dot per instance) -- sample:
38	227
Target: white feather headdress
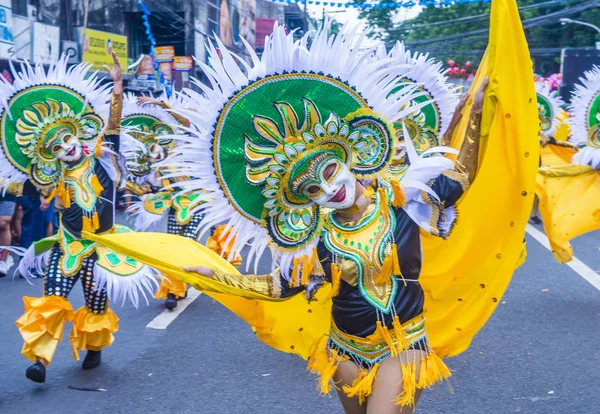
337	60
585	118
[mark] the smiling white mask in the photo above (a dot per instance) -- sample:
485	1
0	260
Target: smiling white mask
334	185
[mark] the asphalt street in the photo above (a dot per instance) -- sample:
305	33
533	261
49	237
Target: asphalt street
539	353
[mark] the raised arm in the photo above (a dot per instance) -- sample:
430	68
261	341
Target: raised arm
148	100
113	129
447	137
468	157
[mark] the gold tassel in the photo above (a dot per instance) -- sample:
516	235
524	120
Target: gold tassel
95	221
98	148
399	199
362	386
295	279
86	224
329	372
384	334
422	380
385	273
308	265
319	358
407	397
96	186
63	195
401	339
336	277
52	194
436	369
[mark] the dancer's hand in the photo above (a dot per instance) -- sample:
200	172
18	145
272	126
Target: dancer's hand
201	270
116	74
479	95
44	203
462	102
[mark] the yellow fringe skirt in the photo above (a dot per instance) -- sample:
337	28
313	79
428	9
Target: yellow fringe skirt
367	353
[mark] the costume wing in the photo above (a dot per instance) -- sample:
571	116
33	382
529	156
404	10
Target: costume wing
569	204
289	325
465	276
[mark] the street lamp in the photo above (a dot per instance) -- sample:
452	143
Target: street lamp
564	21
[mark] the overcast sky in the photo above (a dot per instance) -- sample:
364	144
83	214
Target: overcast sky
350	14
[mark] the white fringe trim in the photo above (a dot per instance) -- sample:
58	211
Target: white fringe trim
123	288
142	220
588	156
581	99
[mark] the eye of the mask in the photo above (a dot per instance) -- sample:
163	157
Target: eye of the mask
329	171
313	189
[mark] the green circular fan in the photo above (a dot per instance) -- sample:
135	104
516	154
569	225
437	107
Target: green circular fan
424	125
30	115
235	125
545	112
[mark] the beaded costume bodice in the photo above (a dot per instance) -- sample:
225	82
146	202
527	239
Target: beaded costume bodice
367	242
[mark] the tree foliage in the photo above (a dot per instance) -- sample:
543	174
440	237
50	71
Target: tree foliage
454	33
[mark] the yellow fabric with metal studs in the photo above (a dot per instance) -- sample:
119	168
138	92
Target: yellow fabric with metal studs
485	246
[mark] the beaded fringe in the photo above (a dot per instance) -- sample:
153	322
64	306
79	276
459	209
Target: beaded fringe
324	361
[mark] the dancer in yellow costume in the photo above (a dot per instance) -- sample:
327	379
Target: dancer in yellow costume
153	124
570	193
60	130
554	133
384	313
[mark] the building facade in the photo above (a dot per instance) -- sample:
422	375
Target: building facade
40	30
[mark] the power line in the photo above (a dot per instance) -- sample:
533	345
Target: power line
474	17
534	21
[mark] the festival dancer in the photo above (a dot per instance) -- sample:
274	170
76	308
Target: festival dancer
570	193
554	133
306	123
56	133
153	124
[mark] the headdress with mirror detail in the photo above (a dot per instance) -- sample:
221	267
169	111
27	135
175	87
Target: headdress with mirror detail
549	108
42	106
585	118
263	127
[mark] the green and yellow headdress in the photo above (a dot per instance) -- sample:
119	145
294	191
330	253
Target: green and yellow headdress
39	108
149	125
549	108
585	118
263	129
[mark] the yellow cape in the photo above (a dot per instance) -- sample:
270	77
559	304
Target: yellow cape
569	204
463	277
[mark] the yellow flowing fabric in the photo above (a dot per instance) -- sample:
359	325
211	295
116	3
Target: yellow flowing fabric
556	155
463	277
569	204
289	325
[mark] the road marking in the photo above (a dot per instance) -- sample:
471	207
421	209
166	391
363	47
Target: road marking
577	265
165	318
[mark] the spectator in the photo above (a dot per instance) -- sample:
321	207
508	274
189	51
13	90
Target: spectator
7	209
33	223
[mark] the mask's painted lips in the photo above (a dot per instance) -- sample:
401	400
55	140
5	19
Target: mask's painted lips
71	152
340	196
